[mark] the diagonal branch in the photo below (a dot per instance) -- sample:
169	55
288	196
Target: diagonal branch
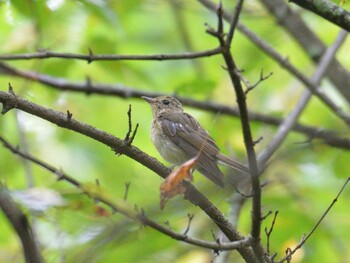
328	10
306	237
293	24
234	22
288	66
10	100
291	119
21	225
123	207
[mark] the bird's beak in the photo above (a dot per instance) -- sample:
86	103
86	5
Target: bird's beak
148	99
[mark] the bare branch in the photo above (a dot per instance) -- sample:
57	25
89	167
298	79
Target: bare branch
295	72
248	139
293	23
190	218
268	232
287	65
291	119
327	136
45	54
328	10
261	79
129	139
306	237
121	207
234	22
58	172
192	194
21	225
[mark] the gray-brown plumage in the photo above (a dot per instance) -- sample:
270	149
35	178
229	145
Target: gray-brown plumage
178	137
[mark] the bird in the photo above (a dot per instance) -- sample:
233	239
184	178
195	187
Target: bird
178	137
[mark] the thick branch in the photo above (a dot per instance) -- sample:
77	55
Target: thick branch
10	100
123	208
328	10
247	134
21	225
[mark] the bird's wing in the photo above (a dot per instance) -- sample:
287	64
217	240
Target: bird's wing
184	131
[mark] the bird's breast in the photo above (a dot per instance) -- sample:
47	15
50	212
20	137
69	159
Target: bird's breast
166	148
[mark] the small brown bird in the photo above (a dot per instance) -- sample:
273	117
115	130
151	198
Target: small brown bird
179	137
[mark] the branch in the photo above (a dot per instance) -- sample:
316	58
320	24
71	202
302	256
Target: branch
236	201
10	100
261	79
248	139
306	237
328	10
292	22
122	206
21	225
45	54
307	82
234	22
329	137
302	78
291	119
129	138
58	172
290	68
268	232
183	29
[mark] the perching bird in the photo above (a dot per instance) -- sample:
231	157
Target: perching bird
179	137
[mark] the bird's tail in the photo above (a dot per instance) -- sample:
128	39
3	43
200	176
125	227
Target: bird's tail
232	163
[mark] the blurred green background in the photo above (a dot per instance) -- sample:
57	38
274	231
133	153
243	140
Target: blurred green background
303	178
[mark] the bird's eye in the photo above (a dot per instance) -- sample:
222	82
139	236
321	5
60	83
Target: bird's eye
166	102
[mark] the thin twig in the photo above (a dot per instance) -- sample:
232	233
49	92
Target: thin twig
58	172
268	232
129	139
45	54
306	237
261	79
127	188
190	218
266	216
234	22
